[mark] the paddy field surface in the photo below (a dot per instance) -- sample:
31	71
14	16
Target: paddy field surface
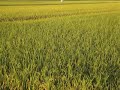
60	46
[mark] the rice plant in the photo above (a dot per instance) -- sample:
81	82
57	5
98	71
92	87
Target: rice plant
60	47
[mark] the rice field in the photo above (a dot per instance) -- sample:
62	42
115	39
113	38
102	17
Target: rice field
59	46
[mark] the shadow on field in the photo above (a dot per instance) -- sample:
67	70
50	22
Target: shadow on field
55	4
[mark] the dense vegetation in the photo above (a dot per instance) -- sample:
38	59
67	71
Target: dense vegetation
60	47
59	0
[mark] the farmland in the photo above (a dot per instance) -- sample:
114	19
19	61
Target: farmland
59	46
